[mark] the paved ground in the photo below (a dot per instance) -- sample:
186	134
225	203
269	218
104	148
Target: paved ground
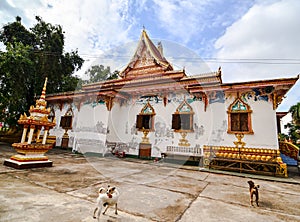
149	191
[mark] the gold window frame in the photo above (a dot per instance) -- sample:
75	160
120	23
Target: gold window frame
146	111
183	109
239	112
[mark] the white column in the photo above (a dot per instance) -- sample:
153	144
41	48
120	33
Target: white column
31	134
24	134
38	134
45	136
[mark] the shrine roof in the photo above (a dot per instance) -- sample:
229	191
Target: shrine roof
146	56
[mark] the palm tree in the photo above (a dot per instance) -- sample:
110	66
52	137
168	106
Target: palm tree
295	111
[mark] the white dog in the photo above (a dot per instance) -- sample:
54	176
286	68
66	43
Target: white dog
107	197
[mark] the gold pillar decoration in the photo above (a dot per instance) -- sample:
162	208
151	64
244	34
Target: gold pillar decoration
239	143
38	133
145	139
205	99
24	134
32	128
109	103
276	100
183	141
165	99
45	135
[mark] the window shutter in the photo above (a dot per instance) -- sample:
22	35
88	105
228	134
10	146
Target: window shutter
185	121
139	121
235	123
244	121
176	121
62	121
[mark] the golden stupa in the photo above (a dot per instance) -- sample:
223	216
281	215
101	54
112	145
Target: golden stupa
31	152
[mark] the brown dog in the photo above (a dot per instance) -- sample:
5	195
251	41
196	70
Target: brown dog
253	188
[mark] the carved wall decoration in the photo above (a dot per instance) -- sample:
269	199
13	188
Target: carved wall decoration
100	128
161	130
133	130
217	133
258	94
199	130
216	97
152	99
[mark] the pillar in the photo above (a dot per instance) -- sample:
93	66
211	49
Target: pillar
24	134
38	133
45	135
32	128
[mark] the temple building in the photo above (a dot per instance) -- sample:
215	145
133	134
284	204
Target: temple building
153	111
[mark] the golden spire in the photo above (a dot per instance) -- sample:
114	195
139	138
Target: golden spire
43	96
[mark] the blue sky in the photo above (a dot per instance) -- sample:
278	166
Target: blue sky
249	39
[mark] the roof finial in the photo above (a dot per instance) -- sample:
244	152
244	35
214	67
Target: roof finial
144	29
219	70
44	89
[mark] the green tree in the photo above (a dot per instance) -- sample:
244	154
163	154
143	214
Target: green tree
98	73
30	57
294	125
15	86
114	75
295	111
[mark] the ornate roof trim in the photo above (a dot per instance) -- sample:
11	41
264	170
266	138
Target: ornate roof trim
154	52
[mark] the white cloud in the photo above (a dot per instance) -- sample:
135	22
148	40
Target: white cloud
180	18
266	31
91	26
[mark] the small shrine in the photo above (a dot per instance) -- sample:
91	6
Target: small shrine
33	145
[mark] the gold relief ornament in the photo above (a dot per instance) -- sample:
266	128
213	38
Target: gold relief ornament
239	142
183	141
145	139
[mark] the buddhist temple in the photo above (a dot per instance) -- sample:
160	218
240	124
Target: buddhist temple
153	111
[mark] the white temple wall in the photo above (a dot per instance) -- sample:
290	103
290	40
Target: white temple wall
216	125
90	129
94	122
122	130
264	126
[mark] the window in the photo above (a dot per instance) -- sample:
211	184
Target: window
66	120
182	119
145	119
239	117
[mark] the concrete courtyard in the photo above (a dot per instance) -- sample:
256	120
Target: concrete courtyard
150	191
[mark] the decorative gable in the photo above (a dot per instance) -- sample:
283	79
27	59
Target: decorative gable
147	110
147	59
238	105
184	107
